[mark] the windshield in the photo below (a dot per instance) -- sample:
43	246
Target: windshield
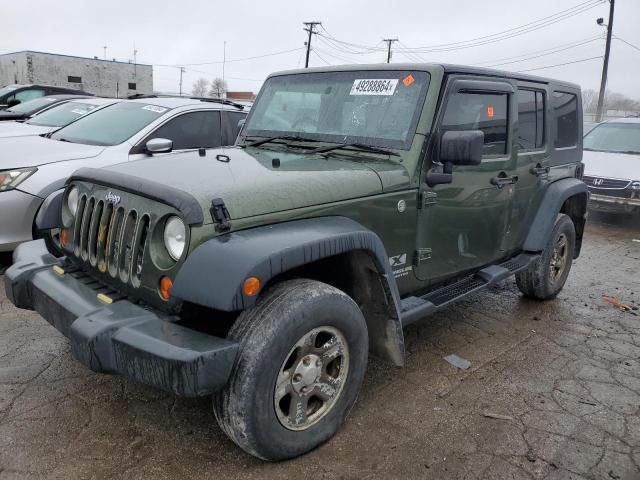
62	115
377	108
32	105
111	125
614	137
7	89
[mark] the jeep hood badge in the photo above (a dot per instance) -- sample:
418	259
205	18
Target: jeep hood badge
111	197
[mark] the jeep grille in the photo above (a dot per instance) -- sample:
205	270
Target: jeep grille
111	238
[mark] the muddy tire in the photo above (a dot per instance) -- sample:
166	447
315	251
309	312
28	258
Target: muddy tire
302	358
547	276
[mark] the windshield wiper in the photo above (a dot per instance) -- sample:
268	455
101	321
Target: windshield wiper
257	143
355	146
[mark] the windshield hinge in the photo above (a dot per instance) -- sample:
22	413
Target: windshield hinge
220	215
421	255
427	198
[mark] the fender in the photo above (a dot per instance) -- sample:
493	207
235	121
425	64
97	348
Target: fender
554	197
214	272
50	213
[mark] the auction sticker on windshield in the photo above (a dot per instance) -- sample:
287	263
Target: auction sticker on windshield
374	86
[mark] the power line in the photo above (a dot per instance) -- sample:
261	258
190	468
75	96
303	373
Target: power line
624	41
486	39
557	65
334	56
244	59
515	31
318	55
550	51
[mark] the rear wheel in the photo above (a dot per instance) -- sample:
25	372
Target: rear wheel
301	362
547	276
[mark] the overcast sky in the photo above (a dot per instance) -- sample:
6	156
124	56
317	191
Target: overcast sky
193	31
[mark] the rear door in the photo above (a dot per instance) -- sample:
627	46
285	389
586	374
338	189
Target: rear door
464	225
533	158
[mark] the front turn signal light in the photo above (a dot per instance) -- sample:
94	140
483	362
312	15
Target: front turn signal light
165	288
64	237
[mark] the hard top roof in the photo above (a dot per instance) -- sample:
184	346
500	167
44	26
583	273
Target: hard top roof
448	68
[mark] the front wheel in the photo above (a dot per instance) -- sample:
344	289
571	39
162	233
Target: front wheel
301	362
547	276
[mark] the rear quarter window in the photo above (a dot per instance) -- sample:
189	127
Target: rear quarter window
565	117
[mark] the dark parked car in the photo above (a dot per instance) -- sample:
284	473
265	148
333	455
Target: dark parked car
15	94
28	109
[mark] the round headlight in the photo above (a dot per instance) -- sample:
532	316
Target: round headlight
175	236
72	200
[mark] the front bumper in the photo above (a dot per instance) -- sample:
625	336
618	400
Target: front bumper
17	212
613	204
120	337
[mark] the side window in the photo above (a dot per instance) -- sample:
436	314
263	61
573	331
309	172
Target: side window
480	111
565	113
26	95
530	119
191	130
230	126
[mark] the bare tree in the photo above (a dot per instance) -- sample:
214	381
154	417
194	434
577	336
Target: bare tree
612	101
200	87
218	88
589	100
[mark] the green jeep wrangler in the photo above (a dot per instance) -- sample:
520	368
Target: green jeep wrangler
358	199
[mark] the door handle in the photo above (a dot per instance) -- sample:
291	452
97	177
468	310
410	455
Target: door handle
503	179
539	170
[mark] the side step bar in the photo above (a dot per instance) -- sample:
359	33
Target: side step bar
416	308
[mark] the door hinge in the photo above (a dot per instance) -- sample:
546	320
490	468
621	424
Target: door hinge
427	199
421	255
220	215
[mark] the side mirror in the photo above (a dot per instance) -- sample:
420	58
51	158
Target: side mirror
456	148
13	103
462	147
159	145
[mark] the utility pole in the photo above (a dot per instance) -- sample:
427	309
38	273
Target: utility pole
104	49
181	72
389	42
224	58
605	64
310	27
135	58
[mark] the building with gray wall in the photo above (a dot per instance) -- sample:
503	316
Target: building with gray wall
100	77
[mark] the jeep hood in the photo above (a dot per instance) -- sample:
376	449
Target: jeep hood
251	182
20	129
18	152
611	165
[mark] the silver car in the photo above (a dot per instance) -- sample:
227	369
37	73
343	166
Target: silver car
612	165
33	167
54	118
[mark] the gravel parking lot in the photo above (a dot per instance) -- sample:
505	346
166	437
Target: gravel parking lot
553	392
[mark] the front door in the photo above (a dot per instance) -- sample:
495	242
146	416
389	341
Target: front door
465	225
188	131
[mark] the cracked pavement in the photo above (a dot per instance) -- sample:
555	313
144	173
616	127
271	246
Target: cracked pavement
553	392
